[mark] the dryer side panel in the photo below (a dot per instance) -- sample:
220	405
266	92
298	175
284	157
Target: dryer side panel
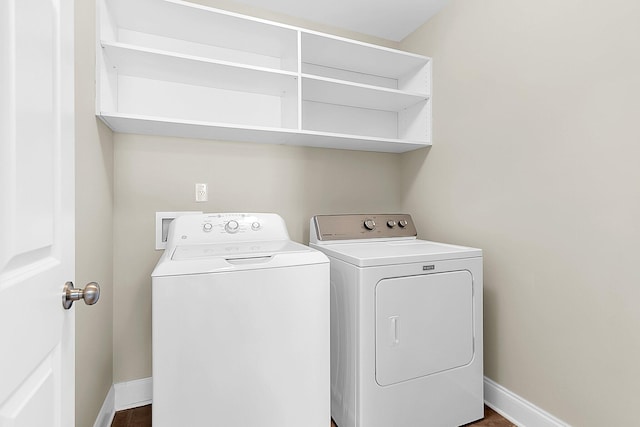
345	332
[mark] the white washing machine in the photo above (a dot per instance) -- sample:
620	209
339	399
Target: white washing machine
240	325
406	324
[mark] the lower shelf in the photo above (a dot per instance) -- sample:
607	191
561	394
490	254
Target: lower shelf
126	123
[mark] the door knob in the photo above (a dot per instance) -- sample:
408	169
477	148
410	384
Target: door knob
90	294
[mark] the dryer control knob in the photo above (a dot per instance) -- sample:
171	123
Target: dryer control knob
391	223
369	224
231	226
207	227
403	223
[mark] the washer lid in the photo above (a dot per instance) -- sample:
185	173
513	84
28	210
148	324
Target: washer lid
231	256
369	254
236	250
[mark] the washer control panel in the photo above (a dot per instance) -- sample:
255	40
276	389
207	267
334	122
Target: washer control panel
227	227
362	226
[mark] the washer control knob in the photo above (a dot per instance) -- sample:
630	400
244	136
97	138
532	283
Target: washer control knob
231	226
403	223
207	227
255	226
391	223
369	224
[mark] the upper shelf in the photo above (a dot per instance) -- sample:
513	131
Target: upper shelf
343	54
160	65
332	91
189	28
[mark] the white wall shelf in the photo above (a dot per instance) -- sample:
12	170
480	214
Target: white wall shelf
332	91
408	70
154	64
193	71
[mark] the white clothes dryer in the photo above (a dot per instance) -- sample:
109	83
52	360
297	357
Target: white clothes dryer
240	325
406	324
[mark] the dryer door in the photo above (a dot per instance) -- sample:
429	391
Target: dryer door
424	325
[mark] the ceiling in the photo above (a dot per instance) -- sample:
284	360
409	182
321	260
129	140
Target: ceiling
387	19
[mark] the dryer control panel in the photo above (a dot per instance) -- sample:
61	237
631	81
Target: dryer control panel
361	226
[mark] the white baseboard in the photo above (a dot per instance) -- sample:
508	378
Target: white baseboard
516	409
132	394
126	395
107	412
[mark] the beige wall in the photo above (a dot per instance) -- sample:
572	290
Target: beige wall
94	225
535	160
158	174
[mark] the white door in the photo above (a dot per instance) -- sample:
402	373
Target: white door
36	212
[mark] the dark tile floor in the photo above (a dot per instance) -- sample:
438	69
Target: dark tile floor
141	417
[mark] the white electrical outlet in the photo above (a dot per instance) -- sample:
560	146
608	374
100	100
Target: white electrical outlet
201	193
